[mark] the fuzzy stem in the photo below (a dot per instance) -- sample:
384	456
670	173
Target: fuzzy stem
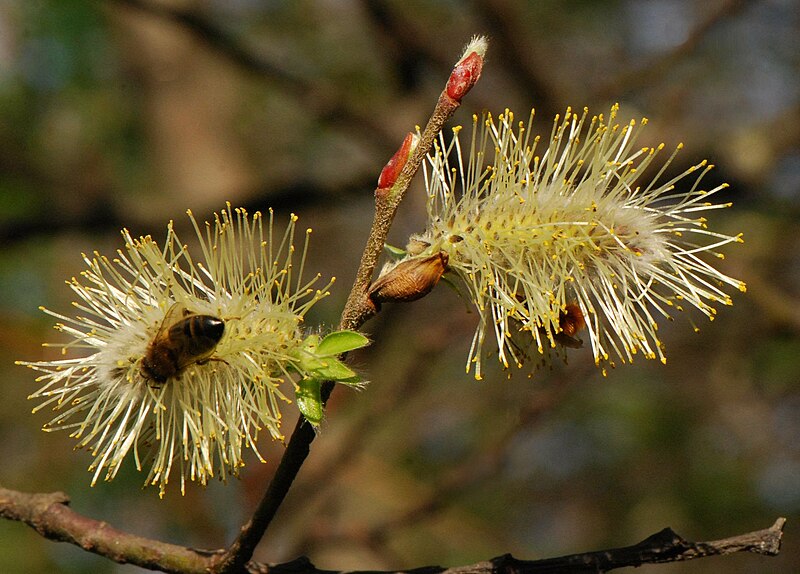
358	307
356	311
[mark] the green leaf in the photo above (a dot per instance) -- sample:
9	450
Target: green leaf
309	400
340	342
334	370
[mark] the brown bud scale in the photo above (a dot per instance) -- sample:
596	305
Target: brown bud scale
409	280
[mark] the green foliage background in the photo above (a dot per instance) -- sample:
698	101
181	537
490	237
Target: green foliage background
125	113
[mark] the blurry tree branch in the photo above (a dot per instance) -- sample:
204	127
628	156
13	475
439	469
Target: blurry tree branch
512	41
50	515
403	44
319	97
782	308
217	38
472	470
648	74
104	215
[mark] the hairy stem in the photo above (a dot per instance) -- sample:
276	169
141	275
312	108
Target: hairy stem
356	311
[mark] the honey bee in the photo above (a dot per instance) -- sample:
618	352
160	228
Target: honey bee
184	338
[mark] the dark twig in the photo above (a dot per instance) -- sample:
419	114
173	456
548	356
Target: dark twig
664	546
426	348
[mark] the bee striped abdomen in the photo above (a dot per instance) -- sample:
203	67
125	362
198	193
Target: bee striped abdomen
188	340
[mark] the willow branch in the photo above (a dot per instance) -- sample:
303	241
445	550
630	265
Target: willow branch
662	547
356	311
358	308
50	515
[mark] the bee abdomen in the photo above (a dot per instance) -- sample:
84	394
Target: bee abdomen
189	340
201	333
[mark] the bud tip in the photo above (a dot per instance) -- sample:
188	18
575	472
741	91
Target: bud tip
468	69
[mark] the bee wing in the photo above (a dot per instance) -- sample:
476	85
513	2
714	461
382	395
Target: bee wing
566	341
175	313
170	334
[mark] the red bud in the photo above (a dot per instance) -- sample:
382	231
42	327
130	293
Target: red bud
464	76
395	165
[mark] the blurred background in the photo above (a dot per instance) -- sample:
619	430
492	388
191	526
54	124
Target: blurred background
125	113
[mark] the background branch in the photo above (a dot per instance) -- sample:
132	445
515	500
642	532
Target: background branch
319	96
